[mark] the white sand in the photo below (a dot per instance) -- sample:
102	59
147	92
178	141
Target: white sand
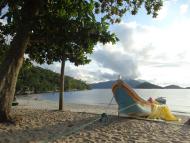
34	103
39	121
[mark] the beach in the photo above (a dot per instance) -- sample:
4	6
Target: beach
40	121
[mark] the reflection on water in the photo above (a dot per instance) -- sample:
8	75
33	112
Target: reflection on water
177	99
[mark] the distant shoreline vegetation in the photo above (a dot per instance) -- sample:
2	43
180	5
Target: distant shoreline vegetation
35	79
38	80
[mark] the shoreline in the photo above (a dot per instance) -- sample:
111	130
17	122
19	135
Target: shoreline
35	103
39	121
29	93
33	100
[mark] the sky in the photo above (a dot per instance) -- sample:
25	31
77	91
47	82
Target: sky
152	49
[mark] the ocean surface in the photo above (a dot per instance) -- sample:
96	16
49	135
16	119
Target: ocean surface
177	99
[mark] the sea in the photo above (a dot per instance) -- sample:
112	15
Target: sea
178	100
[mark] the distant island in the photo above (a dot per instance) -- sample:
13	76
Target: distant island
139	84
39	80
148	85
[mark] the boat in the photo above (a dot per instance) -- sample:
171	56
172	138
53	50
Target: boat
129	102
161	100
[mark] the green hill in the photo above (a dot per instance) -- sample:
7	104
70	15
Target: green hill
173	87
147	85
38	80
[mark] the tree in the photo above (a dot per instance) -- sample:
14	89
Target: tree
14	58
23	15
79	31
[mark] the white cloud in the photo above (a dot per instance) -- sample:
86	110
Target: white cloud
159	55
117	60
55	67
184	8
162	53
90	73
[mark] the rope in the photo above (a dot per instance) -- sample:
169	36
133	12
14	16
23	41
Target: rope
87	124
81	127
110	101
74	130
109	104
122	109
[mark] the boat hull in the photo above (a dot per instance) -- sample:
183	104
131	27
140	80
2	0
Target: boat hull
129	103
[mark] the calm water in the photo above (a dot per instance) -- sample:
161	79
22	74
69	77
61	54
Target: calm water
177	99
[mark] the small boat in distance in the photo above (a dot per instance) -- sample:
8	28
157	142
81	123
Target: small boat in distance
129	102
161	100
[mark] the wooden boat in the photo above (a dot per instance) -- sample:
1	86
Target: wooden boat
129	102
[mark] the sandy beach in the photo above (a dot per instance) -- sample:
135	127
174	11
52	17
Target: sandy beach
39	121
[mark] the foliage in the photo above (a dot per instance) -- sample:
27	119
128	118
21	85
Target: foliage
69	33
70	28
113	10
37	80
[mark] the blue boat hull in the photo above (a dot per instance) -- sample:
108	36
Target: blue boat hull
129	103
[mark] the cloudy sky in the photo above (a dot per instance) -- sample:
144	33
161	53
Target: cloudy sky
156	50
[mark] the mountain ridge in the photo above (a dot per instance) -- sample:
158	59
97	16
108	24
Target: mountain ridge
108	84
139	84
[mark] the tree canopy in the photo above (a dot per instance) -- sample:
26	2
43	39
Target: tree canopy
69	36
69	27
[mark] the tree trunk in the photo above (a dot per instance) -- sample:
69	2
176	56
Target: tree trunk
61	85
10	67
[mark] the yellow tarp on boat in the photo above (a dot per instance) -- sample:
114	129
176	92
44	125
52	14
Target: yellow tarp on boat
162	112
